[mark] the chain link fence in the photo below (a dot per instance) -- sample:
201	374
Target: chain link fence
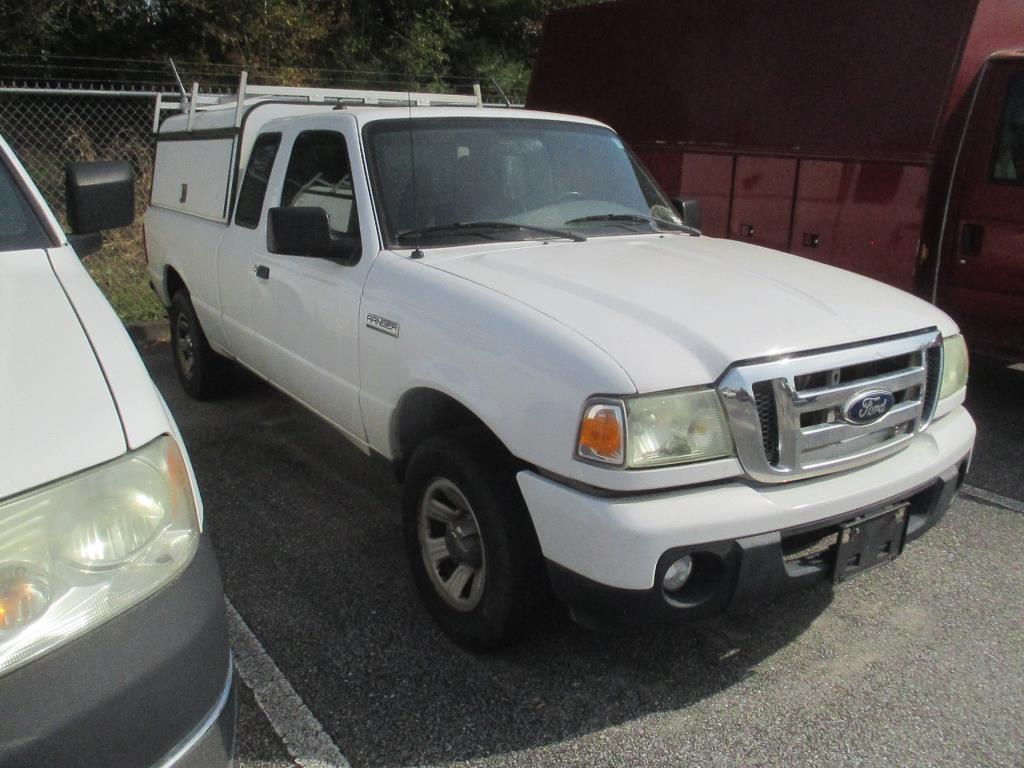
49	128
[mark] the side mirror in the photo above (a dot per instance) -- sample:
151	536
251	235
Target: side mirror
100	195
303	231
689	210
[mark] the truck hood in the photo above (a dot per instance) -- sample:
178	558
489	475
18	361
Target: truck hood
676	311
56	412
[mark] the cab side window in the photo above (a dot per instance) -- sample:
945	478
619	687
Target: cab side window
319	176
254	185
1008	164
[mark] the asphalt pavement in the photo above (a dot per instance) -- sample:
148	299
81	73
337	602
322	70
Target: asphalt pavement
920	662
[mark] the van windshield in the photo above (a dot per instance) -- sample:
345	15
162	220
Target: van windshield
19	227
483	179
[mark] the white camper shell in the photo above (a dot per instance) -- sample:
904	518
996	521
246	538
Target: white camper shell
198	177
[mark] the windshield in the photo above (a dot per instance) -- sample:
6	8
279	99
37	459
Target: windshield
19	227
483	179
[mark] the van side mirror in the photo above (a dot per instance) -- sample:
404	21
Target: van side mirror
306	231
100	195
689	209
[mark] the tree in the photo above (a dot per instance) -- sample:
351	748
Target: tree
268	32
77	27
437	38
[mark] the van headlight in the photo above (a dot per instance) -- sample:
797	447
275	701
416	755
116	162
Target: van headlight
655	430
81	550
954	365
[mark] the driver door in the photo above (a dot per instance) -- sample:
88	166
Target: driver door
306	309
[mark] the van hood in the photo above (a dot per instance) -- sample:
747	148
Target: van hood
57	416
676	310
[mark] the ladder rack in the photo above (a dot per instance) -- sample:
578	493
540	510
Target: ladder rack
196	102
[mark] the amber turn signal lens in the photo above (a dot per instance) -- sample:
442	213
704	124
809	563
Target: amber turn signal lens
602	437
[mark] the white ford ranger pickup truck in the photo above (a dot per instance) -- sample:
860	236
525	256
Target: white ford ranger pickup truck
580	393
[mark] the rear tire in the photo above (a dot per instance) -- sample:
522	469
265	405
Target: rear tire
469	540
202	372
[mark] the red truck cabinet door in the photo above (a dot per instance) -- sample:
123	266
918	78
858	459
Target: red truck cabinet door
983	268
865	217
708	179
762	200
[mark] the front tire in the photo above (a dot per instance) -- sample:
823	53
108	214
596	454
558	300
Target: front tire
202	372
470	543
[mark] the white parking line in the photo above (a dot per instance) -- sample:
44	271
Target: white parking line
993	498
303	736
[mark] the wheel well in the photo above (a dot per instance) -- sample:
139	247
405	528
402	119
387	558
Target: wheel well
173	283
426	412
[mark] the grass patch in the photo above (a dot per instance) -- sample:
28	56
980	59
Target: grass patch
119	269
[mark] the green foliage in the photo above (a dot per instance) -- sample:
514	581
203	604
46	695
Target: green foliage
271	32
87	27
120	271
433	37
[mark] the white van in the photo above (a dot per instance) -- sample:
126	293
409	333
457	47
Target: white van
113	638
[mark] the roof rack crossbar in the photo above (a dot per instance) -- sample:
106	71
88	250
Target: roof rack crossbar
369	97
247	94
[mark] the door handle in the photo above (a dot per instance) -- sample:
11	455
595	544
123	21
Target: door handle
971	238
262	272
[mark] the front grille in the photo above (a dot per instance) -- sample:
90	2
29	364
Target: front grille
933	365
856	372
768	418
789	417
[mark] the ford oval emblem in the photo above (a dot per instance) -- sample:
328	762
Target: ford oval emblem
868	407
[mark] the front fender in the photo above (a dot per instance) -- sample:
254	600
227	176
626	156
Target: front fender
523	374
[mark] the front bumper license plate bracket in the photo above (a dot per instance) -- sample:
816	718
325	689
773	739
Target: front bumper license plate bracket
870	540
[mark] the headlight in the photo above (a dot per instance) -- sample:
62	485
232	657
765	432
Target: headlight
676	428
954	365
78	552
655	430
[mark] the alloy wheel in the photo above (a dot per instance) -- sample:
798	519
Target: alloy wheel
451	545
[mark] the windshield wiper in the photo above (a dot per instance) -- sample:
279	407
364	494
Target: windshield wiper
465	226
638	218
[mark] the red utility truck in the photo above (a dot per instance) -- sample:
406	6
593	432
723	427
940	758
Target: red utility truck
886	138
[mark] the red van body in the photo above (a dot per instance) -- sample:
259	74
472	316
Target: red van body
885	138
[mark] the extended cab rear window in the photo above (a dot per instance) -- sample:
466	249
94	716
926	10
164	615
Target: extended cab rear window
19	226
257	175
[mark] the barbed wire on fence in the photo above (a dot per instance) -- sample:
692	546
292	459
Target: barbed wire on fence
100	74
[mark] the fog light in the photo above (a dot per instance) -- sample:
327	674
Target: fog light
677	574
